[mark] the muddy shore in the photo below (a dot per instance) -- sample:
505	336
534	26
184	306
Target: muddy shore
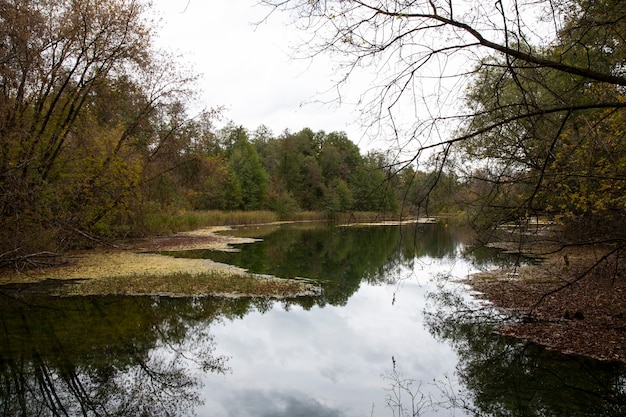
137	268
562	303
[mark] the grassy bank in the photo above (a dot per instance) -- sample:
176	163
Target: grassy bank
165	223
131	269
184	283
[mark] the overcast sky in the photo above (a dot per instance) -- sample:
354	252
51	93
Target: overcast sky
249	68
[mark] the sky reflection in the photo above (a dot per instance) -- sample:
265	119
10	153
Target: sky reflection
329	361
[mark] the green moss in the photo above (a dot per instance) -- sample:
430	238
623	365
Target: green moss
193	284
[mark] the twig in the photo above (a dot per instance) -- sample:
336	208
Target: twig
90	237
578	278
36	259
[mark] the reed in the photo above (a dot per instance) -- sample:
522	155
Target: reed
164	223
158	222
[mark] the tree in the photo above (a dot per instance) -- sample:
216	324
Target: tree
373	190
549	143
532	67
87	107
338	156
246	165
298	168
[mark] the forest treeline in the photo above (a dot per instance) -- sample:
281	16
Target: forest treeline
235	169
96	137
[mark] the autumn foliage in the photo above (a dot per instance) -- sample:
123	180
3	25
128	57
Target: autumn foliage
96	136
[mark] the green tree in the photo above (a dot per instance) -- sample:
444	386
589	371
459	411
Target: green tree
549	144
338	196
246	164
373	189
299	170
87	106
215	185
428	192
338	156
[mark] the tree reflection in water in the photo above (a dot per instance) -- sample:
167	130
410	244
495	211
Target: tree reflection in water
506	377
107	355
339	257
405	397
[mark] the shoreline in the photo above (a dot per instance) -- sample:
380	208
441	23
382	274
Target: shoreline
556	308
134	269
561	305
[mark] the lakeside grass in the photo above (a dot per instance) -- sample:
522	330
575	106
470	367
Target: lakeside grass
129	273
122	271
183	283
166	223
136	272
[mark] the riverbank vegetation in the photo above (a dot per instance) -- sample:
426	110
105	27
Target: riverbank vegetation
138	268
214	282
97	142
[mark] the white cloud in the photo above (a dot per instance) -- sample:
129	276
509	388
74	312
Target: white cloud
248	68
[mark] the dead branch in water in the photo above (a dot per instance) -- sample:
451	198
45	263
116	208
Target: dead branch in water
30	260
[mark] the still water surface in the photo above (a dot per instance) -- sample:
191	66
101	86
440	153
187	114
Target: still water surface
393	334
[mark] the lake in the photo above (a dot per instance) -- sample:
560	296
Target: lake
394	334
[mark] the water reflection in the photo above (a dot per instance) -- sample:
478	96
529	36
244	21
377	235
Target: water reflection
340	258
374	349
107	355
486	258
256	403
507	377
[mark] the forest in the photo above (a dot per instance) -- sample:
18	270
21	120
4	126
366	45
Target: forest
97	135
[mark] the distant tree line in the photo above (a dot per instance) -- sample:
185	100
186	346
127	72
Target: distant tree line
236	169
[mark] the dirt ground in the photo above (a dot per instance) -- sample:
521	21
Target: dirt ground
564	303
